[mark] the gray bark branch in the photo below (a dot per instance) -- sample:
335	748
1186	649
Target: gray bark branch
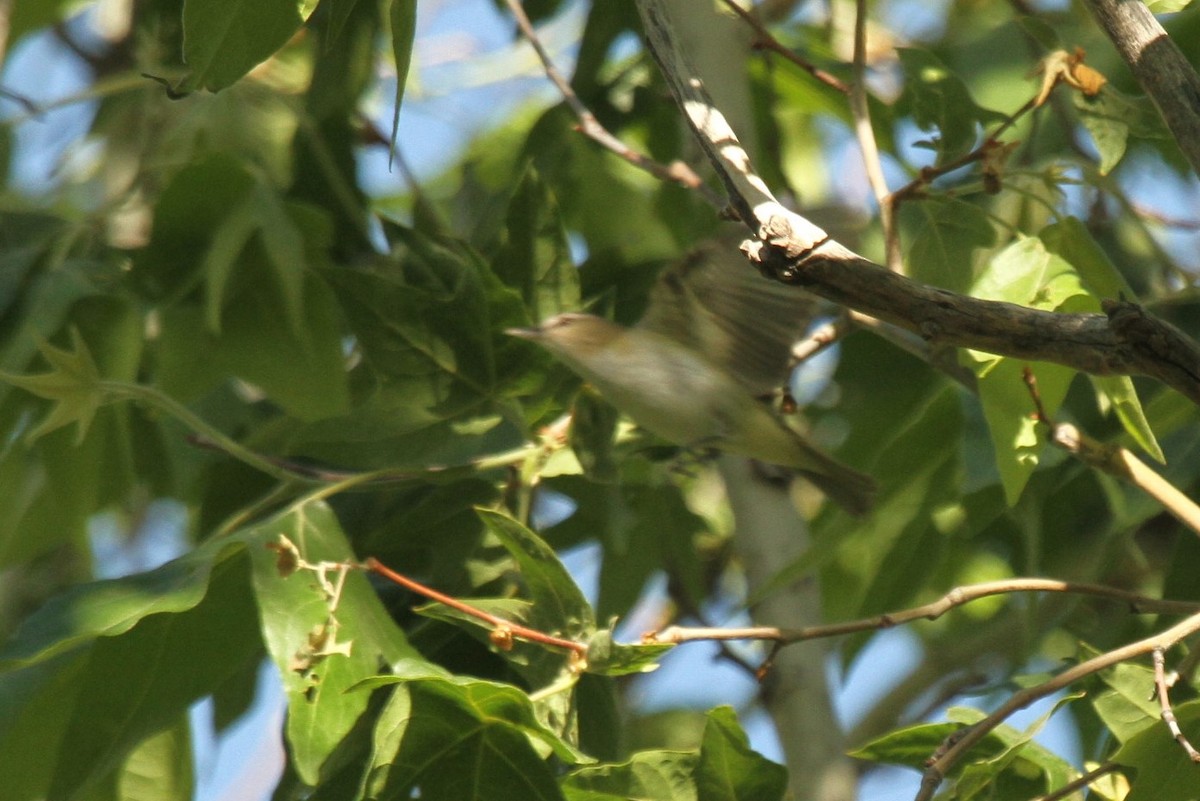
1126	340
1159	66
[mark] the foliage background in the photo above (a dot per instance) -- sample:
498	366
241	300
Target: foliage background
218	272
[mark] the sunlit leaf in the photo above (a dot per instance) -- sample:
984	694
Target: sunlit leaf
73	384
1164	771
225	39
320	653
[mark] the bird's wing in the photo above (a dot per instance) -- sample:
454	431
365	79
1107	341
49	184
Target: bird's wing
714	302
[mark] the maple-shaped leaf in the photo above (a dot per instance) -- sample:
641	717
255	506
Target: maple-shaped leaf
74	386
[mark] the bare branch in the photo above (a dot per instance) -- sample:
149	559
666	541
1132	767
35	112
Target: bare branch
930	611
1159	66
792	249
765	41
821	338
941	766
1116	461
1079	783
676	172
861	112
1168	714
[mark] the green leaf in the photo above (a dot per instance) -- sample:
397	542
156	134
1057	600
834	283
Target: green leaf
593	425
1021	763
1008	408
1028	274
1111	117
938	99
195	203
945	234
728	769
457	737
50	492
1164	771
534	256
1126	707
339	14
111	608
1070	239
261	213
424	321
225	39
28	17
228	241
402	19
73	384
725	769
559	606
69	718
607	657
160	768
657	775
306	375
1121	392
319	654
643	528
909	746
865	563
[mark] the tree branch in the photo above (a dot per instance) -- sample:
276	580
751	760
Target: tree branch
1159	66
676	172
940	767
930	611
765	41
1164	703
1116	461
1125	341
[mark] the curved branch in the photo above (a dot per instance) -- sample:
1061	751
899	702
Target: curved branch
940	767
958	596
1125	341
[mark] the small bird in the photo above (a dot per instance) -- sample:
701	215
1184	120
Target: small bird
715	338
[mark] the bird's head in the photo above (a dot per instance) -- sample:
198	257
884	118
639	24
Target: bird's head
571	334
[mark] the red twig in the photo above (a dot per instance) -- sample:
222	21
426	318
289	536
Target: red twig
504	629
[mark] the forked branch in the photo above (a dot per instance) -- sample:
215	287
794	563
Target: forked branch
1126	340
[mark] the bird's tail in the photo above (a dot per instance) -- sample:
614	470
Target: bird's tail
845	486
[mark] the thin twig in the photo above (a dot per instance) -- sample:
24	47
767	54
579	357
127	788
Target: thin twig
1116	461
504	629
931	611
31	108
1159	66
765	41
865	134
1079	783
927	175
1164	702
792	249
940	767
821	338
1183	671
676	172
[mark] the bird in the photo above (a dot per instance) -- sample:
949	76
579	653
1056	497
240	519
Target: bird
715	339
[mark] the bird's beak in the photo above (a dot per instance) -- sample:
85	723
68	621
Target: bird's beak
524	333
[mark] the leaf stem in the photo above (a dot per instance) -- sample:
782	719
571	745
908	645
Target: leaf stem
121	390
